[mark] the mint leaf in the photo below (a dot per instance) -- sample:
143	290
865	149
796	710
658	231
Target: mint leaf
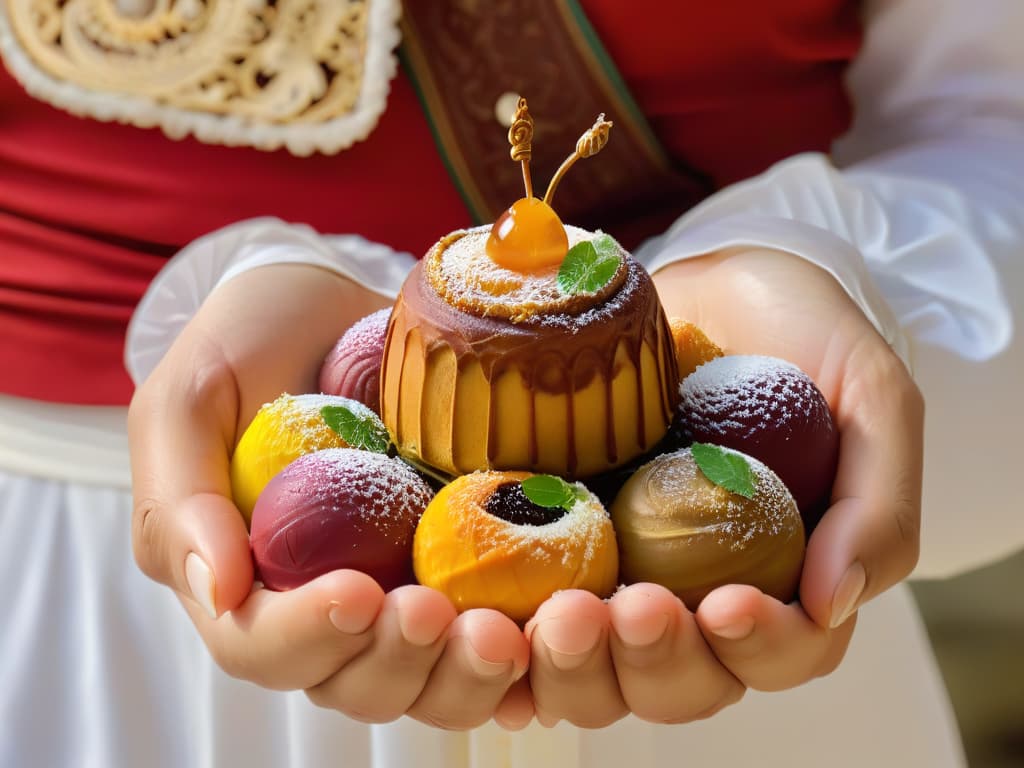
358	426
549	491
725	468
589	265
580	493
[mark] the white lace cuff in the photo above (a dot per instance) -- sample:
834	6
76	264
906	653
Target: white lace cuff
195	272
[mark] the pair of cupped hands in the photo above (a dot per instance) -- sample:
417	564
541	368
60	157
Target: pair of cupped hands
376	656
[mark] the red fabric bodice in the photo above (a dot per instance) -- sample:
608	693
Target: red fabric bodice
90	211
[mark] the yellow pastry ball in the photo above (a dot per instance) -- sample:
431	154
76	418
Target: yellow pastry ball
281	431
484	544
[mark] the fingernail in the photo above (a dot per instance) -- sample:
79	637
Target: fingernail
350	622
419	634
847	594
483	667
200	583
736	630
569	651
643	635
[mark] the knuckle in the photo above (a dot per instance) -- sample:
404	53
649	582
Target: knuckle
733	696
828	664
209	390
648	660
449	721
658	714
747	651
202	380
906	496
137	407
371	710
147	538
906	517
714	700
834	654
319	698
913	400
235	663
230	663
596	721
211	382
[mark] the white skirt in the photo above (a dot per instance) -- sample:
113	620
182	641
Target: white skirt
99	666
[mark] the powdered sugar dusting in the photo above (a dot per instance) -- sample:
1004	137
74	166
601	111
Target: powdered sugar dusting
299	415
741	395
378	490
352	368
369	331
575	537
471	278
675	485
604	311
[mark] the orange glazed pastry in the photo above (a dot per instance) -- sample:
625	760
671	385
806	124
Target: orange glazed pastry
529	344
485	545
693	347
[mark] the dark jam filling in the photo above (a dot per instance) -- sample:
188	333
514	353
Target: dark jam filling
510	504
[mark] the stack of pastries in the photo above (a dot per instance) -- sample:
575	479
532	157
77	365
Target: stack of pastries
523	364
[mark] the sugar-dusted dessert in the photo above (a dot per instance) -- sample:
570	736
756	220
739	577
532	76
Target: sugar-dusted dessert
281	431
772	410
485	544
338	508
528	345
679	528
352	367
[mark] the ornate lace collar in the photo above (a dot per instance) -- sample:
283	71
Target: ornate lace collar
307	75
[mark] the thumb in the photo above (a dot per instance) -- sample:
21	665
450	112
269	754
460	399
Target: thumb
186	531
868	540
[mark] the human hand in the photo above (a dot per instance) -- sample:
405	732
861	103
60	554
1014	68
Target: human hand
759	301
372	656
592	662
641	652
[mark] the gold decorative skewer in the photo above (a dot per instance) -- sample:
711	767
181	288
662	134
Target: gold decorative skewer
529	236
589	144
520	136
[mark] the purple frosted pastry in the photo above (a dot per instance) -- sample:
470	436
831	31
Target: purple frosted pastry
771	410
352	369
338	508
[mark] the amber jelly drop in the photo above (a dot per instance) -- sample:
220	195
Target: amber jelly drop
528	237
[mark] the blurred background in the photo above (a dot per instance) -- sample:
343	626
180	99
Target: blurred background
976	623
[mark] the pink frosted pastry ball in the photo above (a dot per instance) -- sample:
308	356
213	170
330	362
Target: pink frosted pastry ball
338	508
352	368
771	410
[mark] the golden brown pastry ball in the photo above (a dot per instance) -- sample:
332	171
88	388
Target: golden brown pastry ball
677	528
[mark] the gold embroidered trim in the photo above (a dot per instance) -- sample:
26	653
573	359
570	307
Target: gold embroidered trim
306	74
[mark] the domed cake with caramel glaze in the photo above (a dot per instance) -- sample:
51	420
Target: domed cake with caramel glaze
491	363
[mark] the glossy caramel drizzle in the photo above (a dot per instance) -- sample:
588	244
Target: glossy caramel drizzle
424	327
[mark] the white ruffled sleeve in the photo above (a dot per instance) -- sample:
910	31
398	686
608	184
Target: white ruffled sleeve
187	279
920	216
